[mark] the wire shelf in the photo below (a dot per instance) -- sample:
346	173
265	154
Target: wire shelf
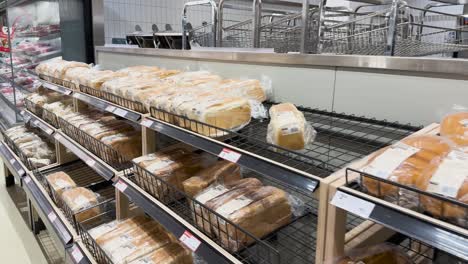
132	105
116	160
48	116
444	208
341	138
32	107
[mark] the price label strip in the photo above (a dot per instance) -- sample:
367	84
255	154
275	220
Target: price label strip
229	155
147	123
353	204
77	254
52	217
190	241
121	186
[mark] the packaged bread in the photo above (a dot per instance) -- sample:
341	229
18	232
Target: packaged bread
97	81
201	215
288	128
44	67
249	89
229	113
126	224
61	69
39	163
404	162
129	144
173	253
221	172
139	69
450	179
455	127
189	79
170	154
72	76
118	237
60	181
259	211
376	254
78	199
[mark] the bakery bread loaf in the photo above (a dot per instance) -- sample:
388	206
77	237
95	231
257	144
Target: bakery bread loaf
128	144
455	127
376	254
127	224
449	179
404	163
59	182
78	199
287	127
173	253
222	172
249	89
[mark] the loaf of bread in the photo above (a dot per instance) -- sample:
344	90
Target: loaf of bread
260	211
288	128
128	144
189	79
78	199
171	154
405	163
127	224
59	182
44	68
72	76
172	253
249	89
455	127
376	254
97	80
222	172
61	69
449	179
140	69
230	113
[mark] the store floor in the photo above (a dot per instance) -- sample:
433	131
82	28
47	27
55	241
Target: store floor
17	243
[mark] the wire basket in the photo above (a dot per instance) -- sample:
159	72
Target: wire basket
83	176
341	138
419	32
240	34
32	107
132	105
202	36
448	209
110	156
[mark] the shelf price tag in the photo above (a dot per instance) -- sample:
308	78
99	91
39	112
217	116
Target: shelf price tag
353	204
52	216
229	155
110	108
77	255
90	162
190	241
12	161
120	112
121	186
21	172
147	123
27	180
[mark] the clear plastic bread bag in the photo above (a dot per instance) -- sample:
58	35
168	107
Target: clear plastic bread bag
377	254
454	126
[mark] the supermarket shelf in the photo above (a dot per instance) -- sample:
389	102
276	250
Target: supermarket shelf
56	88
12	161
436	233
91	160
204	247
19	87
8	102
41	57
39	36
295	178
37	122
108	107
49	215
78	254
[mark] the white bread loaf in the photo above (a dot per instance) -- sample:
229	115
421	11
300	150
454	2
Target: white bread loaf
60	181
78	199
172	253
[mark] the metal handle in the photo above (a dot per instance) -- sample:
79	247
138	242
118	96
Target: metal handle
214	18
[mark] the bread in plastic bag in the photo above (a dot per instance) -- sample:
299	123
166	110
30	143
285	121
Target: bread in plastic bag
455	126
288	128
404	162
78	200
173	253
377	254
450	180
60	181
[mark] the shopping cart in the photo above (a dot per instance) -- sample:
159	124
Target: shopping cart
418	32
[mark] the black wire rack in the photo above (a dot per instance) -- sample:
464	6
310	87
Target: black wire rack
51	79
434	205
107	215
69	84
341	138
132	105
293	242
83	176
48	116
32	107
116	160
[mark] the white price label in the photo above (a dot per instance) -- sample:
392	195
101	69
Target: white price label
27	180
36	122
77	255
120	112
229	155
147	123
21	172
353	204
52	216
121	186
91	163
49	131
58	136
22	112
12	161
110	108
190	241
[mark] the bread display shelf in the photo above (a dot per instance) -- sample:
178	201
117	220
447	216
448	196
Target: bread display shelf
174	223
13	162
386	216
91	160
40	57
50	215
83	176
78	254
55	87
36	121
